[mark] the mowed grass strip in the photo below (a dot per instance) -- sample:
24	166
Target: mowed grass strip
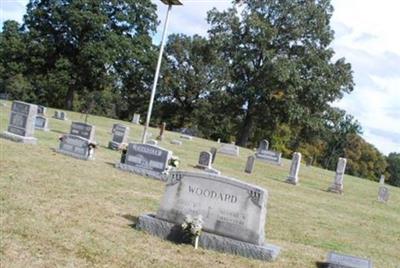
59	211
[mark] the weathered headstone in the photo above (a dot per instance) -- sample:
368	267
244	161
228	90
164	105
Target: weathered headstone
186	137
250	164
120	134
60	115
152	142
136	119
83	130
213	152
382	179
162	130
294	169
176	142
41	123
146	160
233	212
263	146
219	140
41	110
337	185
76	146
272	157
21	126
338	260
383	194
229	149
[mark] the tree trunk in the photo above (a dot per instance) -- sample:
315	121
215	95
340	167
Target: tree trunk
69	100
246	130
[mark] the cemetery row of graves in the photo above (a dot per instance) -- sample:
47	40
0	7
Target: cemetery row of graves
202	206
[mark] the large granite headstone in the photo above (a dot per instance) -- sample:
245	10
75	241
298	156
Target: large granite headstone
120	134
272	157
83	130
146	160
21	126
229	149
76	146
250	164
136	119
233	212
338	260
294	169
41	123
337	185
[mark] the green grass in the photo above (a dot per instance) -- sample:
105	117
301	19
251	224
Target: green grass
60	211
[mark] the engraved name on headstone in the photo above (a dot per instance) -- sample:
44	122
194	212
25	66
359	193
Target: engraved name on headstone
120	135
250	164
147	160
21	126
83	130
294	169
337	185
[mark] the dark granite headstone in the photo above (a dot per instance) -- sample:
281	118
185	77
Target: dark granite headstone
83	130
119	137
76	146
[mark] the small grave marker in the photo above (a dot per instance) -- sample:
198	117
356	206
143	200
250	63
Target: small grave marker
338	260
136	119
294	169
229	149
337	185
250	164
41	123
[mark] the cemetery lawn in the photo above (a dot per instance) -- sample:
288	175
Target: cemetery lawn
61	211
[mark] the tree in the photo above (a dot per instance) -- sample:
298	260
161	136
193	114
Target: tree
393	169
279	60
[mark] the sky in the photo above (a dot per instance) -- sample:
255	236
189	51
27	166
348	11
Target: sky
366	34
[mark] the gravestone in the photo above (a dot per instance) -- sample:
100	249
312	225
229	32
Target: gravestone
204	163
41	123
337	185
41	110
186	137
219	140
229	149
176	142
152	142
383	194
136	119
263	146
233	212
63	115
76	146
213	151
338	260
83	130
21	126
162	130
268	156
146	160
382	179
294	169
60	115
120	135
250	164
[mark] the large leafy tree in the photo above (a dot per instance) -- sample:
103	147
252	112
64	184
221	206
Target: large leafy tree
280	63
393	168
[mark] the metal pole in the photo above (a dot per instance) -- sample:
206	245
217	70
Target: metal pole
153	90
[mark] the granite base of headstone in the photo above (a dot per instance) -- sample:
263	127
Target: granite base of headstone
21	126
233	214
338	260
176	142
146	160
76	146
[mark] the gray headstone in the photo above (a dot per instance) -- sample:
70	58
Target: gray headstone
41	123
41	110
136	119
76	146
176	142
146	160
337	185
382	179
272	157
60	115
83	130
383	194
250	164
294	169
213	152
120	134
205	159
338	260
186	137
229	149
263	146
21	126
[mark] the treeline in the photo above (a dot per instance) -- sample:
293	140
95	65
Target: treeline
265	70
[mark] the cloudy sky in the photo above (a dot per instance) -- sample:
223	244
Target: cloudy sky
366	34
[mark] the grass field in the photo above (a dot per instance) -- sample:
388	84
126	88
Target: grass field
57	211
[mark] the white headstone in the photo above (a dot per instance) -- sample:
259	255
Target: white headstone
176	142
294	169
382	179
383	194
136	119
229	149
337	185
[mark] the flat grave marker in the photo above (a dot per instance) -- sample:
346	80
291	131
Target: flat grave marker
229	149
338	260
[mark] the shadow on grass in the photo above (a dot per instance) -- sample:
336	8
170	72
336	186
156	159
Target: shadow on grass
133	219
57	131
324	265
110	164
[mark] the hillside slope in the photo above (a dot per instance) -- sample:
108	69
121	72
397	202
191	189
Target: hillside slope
60	211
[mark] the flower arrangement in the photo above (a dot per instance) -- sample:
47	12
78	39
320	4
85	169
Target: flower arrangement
174	162
192	227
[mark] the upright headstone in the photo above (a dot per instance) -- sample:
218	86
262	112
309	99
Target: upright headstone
229	149
56	115
338	260
383	194
136	119
41	123
146	160
83	130
233	212
21	126
76	146
120	134
162	130
263	146
213	152
337	185
250	164
294	169
382	179
205	160
219	140
63	115
41	110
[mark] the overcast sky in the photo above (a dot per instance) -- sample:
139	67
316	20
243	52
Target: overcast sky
366	34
